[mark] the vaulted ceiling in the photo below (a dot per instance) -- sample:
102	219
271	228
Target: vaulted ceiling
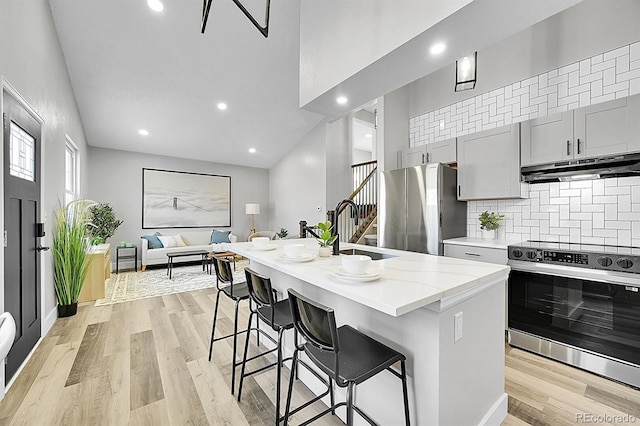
132	68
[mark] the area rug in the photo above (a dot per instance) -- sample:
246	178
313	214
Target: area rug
127	286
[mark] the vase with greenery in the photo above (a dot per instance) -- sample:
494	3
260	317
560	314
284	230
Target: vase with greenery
282	233
326	239
70	260
103	223
489	224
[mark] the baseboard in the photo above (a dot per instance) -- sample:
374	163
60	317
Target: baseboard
497	413
49	320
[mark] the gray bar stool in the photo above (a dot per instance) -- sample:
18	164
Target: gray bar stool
346	355
236	292
276	315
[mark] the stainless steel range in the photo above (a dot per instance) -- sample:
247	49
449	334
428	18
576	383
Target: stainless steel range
579	304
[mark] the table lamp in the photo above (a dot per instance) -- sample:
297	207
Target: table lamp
252	209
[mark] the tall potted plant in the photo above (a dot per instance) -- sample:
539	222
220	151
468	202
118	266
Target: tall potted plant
70	260
103	223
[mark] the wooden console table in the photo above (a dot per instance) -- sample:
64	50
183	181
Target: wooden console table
99	271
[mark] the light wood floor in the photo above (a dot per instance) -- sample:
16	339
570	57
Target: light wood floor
145	362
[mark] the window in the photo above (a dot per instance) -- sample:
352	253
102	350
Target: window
71	184
21	153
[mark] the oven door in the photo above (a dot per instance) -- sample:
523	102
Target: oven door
597	311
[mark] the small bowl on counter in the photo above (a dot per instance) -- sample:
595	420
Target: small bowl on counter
356	264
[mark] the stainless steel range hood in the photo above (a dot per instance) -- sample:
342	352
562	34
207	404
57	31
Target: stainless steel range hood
583	169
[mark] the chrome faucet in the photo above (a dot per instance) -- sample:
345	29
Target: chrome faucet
334	231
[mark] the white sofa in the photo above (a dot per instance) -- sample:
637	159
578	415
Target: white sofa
194	240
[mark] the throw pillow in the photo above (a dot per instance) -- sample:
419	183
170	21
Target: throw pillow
167	241
154	241
179	241
218	237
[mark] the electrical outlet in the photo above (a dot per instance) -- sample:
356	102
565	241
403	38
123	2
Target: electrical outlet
457	329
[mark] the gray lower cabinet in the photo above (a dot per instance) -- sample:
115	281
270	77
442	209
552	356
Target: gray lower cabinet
436	152
489	164
606	128
480	254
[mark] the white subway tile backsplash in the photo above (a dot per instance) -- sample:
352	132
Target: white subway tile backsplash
597	212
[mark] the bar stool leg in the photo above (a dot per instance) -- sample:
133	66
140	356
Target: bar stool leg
213	328
332	399
294	368
278	379
235	345
350	404
244	358
405	394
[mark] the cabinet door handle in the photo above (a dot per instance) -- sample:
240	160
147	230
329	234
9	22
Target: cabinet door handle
458	190
578	145
423	158
471	254
568	147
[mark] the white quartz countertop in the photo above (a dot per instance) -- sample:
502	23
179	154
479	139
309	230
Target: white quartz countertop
481	242
409	281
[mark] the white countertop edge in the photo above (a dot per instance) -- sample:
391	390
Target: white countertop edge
351	292
480	242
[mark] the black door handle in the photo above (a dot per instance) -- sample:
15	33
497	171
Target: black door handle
40	248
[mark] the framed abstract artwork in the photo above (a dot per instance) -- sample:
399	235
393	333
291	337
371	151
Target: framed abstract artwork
172	199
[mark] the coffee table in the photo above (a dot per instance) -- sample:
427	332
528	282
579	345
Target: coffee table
170	256
223	254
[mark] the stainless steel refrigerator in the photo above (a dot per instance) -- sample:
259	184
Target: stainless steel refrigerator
419	208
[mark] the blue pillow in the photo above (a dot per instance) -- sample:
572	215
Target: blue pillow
154	241
218	237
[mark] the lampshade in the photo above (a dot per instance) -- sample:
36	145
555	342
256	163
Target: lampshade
466	72
252	208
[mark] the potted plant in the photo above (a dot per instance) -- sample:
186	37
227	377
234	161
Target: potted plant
326	239
103	223
489	224
70	261
282	233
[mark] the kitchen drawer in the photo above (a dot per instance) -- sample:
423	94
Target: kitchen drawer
480	254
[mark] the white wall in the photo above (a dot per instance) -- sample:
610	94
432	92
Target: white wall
31	60
116	178
339	38
588	28
297	184
339	175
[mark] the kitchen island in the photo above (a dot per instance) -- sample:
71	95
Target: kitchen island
411	308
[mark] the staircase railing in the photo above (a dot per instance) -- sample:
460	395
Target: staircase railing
365	196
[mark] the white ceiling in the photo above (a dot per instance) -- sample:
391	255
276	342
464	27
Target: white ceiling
132	68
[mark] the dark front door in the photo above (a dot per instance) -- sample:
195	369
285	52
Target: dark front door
21	213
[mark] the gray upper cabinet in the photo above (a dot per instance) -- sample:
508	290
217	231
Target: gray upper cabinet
437	152
489	164
442	152
415	156
602	129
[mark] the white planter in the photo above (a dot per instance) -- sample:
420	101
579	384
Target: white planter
325	251
489	235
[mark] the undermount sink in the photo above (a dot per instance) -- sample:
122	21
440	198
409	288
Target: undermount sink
373	255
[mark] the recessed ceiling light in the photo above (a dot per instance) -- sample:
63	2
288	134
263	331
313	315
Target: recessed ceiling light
252	150
222	106
368	135
155	5
341	100
437	48
143	132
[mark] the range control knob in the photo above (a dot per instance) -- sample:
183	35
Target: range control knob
517	253
605	261
532	254
625	263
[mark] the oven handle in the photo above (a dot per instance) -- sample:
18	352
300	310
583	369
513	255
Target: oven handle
598	275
